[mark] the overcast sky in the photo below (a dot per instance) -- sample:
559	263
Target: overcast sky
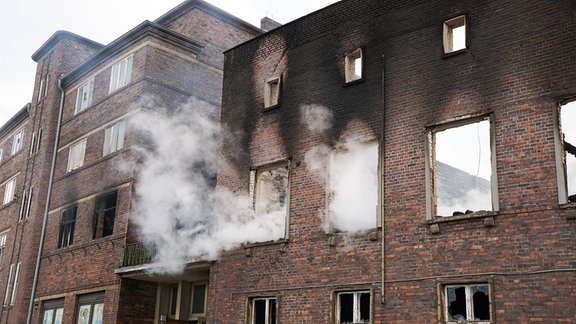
26	24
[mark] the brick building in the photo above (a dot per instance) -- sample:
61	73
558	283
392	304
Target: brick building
420	157
66	146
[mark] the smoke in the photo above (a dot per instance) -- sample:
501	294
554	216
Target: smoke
349	174
177	205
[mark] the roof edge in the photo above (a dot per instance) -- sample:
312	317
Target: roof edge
15	120
58	36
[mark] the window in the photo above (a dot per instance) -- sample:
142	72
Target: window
25	204
84	96
269	189
2	245
263	311
104	214
272	92
91	308
461	168
566	153
353	307
52	311
76	155
114	138
466	303
455	34
17	141
9	190
12	285
353	188
198	300
1	153
121	74
67	224
35	142
353	66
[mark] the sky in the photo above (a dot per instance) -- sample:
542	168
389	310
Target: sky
26	24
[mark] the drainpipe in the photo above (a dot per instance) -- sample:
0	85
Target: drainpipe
382	178
47	207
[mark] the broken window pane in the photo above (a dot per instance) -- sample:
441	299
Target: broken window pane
456	303
481	303
467	303
353	307
568	119
463	169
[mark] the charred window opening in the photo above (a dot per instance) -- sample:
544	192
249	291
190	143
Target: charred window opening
568	140
455	34
467	303
353	307
462	168
353	66
264	311
104	215
67	224
272	91
269	189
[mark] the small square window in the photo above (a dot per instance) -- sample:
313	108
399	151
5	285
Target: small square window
461	168
455	34
263	310
466	303
353	66
84	96
121	74
353	307
76	155
272	92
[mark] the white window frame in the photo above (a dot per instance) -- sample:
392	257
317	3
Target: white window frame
469	303
452	33
12	286
121	73
76	155
356	305
9	190
272	92
84	96
114	138
561	154
3	237
267	315
17	141
354	66
431	184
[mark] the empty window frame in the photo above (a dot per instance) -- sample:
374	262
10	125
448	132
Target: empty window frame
104	215
353	307
3	237
12	285
76	155
84	96
121	74
353	66
566	153
353	188
466	303
114	138
461	168
9	189
272	92
67	225
263	310
269	188
52	311
25	203
91	308
36	141
17	141
455	34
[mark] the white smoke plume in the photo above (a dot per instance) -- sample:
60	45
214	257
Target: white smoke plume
177	206
349	174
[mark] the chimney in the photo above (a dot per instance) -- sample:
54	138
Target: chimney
267	24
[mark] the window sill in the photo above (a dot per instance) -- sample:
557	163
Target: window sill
487	216
570	209
454	53
280	242
353	82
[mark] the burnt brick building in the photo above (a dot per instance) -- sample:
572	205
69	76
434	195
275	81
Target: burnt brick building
418	159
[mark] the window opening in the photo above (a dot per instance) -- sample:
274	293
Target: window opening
91	308
84	96
567	120
353	307
198	299
67	225
462	168
12	285
53	310
121	74
2	245
455	34
353	65
9	188
264	311
269	186
17	141
467	303
114	138
76	155
104	215
272	92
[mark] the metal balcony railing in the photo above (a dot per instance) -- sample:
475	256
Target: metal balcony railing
137	254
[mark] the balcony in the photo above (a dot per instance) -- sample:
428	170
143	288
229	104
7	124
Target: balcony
136	254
